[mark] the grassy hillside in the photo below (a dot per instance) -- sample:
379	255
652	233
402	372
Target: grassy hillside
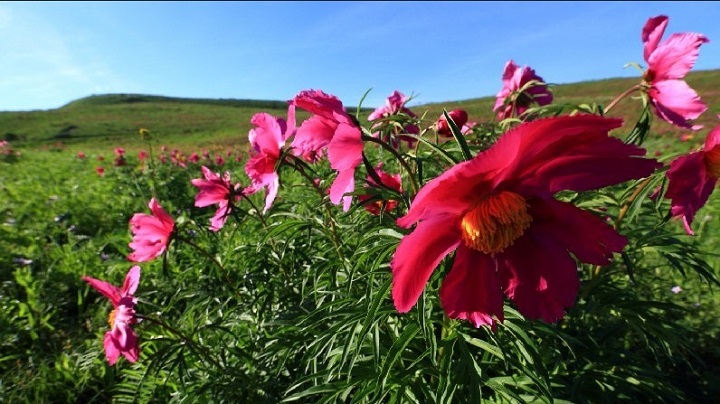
104	121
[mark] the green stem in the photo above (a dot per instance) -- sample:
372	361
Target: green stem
397	156
621	96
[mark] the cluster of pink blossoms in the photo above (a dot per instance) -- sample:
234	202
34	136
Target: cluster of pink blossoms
496	211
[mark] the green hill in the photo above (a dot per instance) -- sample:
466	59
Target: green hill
102	121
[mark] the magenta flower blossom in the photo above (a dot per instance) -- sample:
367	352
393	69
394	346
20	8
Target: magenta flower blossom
216	190
517	94
121	338
668	62
151	233
459	116
391	181
395	105
332	128
511	236
692	178
267	139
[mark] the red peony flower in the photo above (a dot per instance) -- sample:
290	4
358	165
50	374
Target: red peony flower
517	94
692	178
267	139
459	116
392	181
214	189
332	128
510	235
151	233
668	62
121	339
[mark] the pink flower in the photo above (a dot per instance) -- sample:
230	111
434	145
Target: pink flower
119	152
668	62
151	233
100	157
267	139
142	155
121	339
468	127
459	116
518	93
194	158
81	155
219	160
497	211
692	178
214	189
332	128
100	171
395	105
391	181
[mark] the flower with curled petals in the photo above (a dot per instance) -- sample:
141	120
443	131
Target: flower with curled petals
521	88
331	128
267	139
389	181
511	236
395	106
668	62
216	190
151	233
121	339
692	179
459	116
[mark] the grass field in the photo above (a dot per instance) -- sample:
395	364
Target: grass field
294	305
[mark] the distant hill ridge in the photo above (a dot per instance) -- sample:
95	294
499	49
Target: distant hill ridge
107	120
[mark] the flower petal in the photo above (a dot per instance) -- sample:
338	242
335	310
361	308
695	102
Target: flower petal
471	290
676	102
132	280
674	58
314	134
346	147
586	236
344	184
112	352
418	254
163	217
689	187
652	33
539	276
111	292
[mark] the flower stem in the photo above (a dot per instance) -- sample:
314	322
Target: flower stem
621	96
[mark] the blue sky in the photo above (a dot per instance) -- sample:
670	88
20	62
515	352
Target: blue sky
53	53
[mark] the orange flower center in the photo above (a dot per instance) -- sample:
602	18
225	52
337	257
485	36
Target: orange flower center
495	222
712	161
111	318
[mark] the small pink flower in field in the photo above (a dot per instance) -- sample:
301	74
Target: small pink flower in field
668	62
142	155
459	116
100	157
206	154
163	159
151	233
216	190
163	148
120	161
219	160
676	289
81	155
121	339
692	178
686	137
521	87
391	181
119	152
511	236
332	128
100	171
395	105
194	157
267	139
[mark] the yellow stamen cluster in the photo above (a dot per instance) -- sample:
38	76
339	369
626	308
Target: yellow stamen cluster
495	222
111	318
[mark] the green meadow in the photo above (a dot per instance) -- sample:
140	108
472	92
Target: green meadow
294	305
